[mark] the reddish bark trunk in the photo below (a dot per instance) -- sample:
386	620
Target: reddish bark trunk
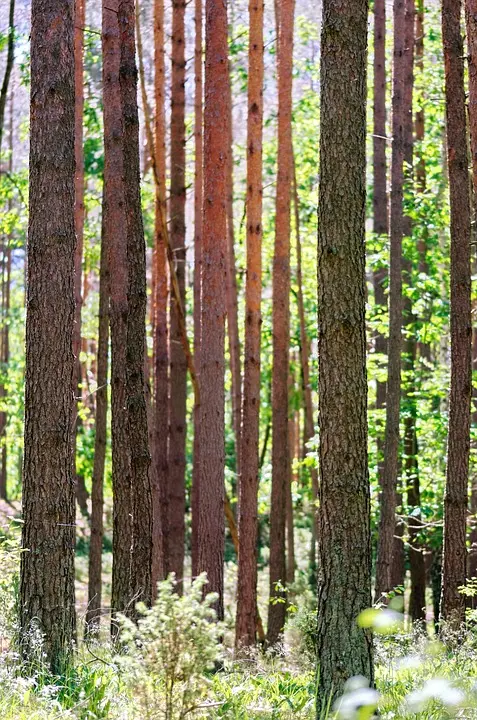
281	327
213	310
198	182
178	364
232	300
249	463
458	445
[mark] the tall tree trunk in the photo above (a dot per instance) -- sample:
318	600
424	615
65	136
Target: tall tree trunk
458	444
344	544
5	329
8	66
178	371
290	534
93	614
160	299
232	300
80	15
47	590
387	522
281	327
198	183
309	425
115	231
380	194
471	26
249	449
213	306
141	492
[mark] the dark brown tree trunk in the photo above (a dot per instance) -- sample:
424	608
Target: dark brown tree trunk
458	444
387	522
178	371
115	230
47	590
471	26
160	300
213	305
380	194
8	66
80	15
141	491
344	545
232	300
281	327
198	182
249	463
93	614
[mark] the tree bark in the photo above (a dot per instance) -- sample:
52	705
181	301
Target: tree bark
141	491
380	194
160	300
198	196
8	66
232	299
213	309
387	522
93	614
80	15
281	328
178	364
344	545
115	230
458	444
47	590
249	463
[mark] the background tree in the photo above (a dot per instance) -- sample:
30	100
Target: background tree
213	302
281	326
458	444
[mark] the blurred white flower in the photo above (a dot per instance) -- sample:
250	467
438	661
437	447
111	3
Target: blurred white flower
359	700
439	689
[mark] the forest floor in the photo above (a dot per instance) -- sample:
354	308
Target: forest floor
416	676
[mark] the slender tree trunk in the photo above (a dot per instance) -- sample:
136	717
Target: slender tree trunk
281	327
5	329
115	232
380	194
290	534
249	463
141	491
471	26
178	371
344	544
93	614
8	66
232	300
213	305
198	183
80	15
458	444
47	590
387	523
160	300
309	425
